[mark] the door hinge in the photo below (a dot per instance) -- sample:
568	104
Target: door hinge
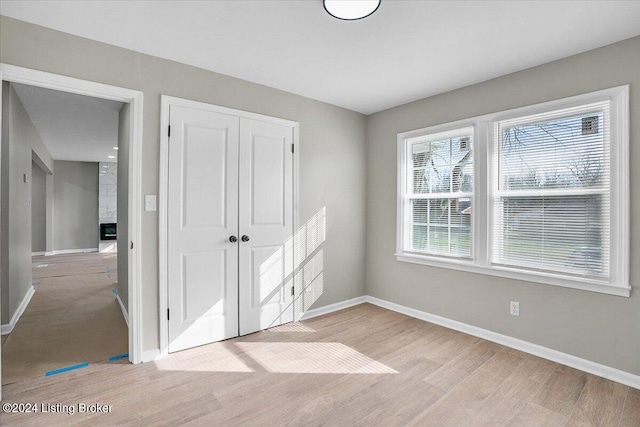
169	133
292	148
168	317
293	290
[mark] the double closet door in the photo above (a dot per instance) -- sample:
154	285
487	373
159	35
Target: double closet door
230	226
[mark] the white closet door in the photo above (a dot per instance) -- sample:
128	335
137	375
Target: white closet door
266	219
202	215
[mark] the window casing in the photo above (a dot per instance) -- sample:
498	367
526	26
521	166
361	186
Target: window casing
544	189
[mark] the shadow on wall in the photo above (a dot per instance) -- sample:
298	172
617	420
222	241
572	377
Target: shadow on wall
306	270
309	261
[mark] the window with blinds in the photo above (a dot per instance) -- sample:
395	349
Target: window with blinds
552	204
538	193
439	193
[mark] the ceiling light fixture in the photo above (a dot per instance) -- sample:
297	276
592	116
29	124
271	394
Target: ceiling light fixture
111	157
115	148
350	10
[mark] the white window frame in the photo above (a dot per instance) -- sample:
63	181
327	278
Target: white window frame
444	134
484	185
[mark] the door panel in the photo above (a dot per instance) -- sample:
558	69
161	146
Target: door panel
202	215
267	179
204	151
205	272
266	217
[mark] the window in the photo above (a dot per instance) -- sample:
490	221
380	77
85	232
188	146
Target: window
438	194
552	204
539	193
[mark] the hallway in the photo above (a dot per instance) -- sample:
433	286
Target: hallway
73	317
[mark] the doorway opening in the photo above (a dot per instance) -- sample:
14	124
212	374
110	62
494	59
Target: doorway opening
67	199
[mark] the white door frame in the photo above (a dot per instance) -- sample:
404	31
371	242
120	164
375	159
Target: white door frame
166	102
14	74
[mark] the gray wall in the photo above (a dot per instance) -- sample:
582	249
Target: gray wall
75	205
597	327
38	209
20	140
332	145
123	204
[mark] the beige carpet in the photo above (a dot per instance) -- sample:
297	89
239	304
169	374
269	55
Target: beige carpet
72	318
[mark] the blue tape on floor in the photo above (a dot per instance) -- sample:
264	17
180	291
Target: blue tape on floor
68	368
118	357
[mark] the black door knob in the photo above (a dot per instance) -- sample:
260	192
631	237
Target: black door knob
233	239
245	238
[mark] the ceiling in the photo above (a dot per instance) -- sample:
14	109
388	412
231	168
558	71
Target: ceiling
405	51
72	127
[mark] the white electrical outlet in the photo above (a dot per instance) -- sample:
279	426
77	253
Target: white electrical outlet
514	308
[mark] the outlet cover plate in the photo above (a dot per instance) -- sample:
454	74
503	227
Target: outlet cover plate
514	308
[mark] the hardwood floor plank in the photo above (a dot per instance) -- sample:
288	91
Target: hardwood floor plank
470	359
630	416
534	415
562	390
514	394
600	404
311	374
459	407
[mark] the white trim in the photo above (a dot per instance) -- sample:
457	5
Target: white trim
484	182
6	329
585	284
320	311
150	355
297	278
70	251
134	279
163	205
165	103
124	312
537	350
38	253
187	103
46	80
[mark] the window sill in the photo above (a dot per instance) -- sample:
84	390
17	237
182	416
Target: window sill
545	278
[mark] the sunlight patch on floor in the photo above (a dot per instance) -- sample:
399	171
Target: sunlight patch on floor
208	358
311	358
291	327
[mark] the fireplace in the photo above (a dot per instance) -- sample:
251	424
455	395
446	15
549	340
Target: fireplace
108	231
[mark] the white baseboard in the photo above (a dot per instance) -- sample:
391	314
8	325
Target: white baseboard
332	307
71	251
38	253
537	350
6	329
124	310
150	355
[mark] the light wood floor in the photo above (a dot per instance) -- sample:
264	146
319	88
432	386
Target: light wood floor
363	366
72	318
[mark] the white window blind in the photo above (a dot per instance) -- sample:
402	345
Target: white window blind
538	193
438	194
551	207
